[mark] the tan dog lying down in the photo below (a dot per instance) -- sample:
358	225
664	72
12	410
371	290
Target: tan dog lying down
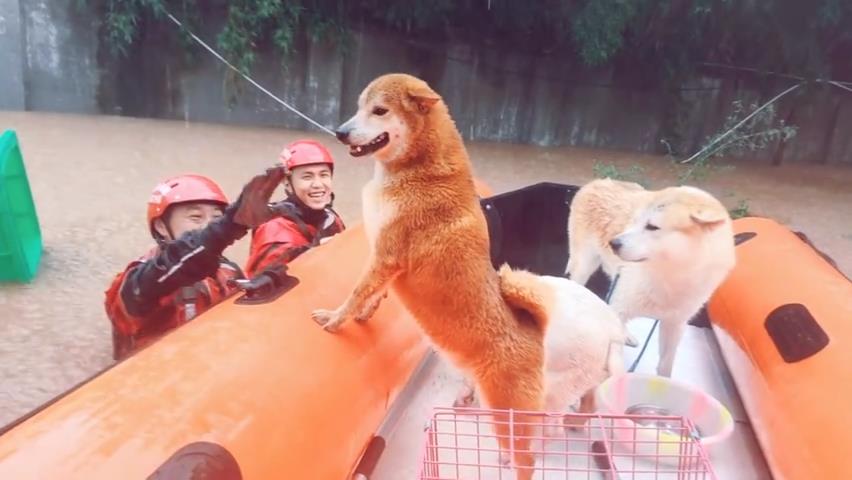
672	248
429	241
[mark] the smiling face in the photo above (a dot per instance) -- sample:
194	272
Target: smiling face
392	110
312	185
673	226
185	217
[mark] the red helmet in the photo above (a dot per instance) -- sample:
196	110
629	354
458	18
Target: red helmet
181	189
305	152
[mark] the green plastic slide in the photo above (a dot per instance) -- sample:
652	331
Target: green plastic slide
20	234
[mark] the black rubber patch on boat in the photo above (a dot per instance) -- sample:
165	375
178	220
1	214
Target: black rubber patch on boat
283	284
371	457
743	237
795	332
199	460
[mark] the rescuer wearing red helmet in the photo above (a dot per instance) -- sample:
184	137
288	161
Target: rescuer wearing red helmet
305	216
185	274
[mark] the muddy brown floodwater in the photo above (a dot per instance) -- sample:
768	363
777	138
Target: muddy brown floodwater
91	176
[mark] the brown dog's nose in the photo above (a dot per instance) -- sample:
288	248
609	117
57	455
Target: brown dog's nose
342	134
615	244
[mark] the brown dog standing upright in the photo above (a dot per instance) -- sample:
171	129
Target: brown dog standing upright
429	240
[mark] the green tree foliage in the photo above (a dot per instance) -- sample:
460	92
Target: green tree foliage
666	38
252	21
599	28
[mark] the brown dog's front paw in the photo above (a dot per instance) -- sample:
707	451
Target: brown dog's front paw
370	308
330	320
366	313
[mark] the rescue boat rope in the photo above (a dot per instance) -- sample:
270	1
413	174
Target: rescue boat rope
260	87
771	73
644	346
248	78
842	85
328	131
650	334
743	121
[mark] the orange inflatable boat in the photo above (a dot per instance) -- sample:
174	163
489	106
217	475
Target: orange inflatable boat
250	383
258	391
262	382
783	320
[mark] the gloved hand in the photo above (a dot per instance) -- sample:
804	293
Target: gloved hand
179	263
194	260
250	210
265	280
252	207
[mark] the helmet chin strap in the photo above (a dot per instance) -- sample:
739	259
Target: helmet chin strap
169	230
158	237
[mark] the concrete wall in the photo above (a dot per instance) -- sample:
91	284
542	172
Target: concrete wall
11	57
60	47
59	65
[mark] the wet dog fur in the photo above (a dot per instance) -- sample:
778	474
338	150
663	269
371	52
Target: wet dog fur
429	241
671	248
583	342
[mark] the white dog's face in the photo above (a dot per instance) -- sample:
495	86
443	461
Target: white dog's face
648	236
392	110
671	228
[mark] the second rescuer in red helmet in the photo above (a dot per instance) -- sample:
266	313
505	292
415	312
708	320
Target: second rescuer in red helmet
185	273
306	217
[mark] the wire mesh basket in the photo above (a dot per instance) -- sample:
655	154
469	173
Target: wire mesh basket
461	444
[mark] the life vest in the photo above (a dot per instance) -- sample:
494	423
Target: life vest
283	238
130	333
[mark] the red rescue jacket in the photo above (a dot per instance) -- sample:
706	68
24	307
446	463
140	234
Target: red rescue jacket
131	333
282	239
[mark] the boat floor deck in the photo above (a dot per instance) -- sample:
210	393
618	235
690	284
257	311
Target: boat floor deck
699	363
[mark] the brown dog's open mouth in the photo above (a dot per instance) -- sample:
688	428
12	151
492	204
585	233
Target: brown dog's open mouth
368	148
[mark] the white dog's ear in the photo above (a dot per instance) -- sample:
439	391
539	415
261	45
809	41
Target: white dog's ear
423	97
708	217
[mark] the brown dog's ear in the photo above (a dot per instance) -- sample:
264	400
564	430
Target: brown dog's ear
708	217
423	97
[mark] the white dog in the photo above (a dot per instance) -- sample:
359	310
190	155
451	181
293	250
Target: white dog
671	249
583	340
583	346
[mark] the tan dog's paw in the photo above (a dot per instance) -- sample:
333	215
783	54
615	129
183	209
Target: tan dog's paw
466	398
552	429
574	423
370	308
330	320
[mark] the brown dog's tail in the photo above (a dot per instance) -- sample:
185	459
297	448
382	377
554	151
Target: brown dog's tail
521	290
